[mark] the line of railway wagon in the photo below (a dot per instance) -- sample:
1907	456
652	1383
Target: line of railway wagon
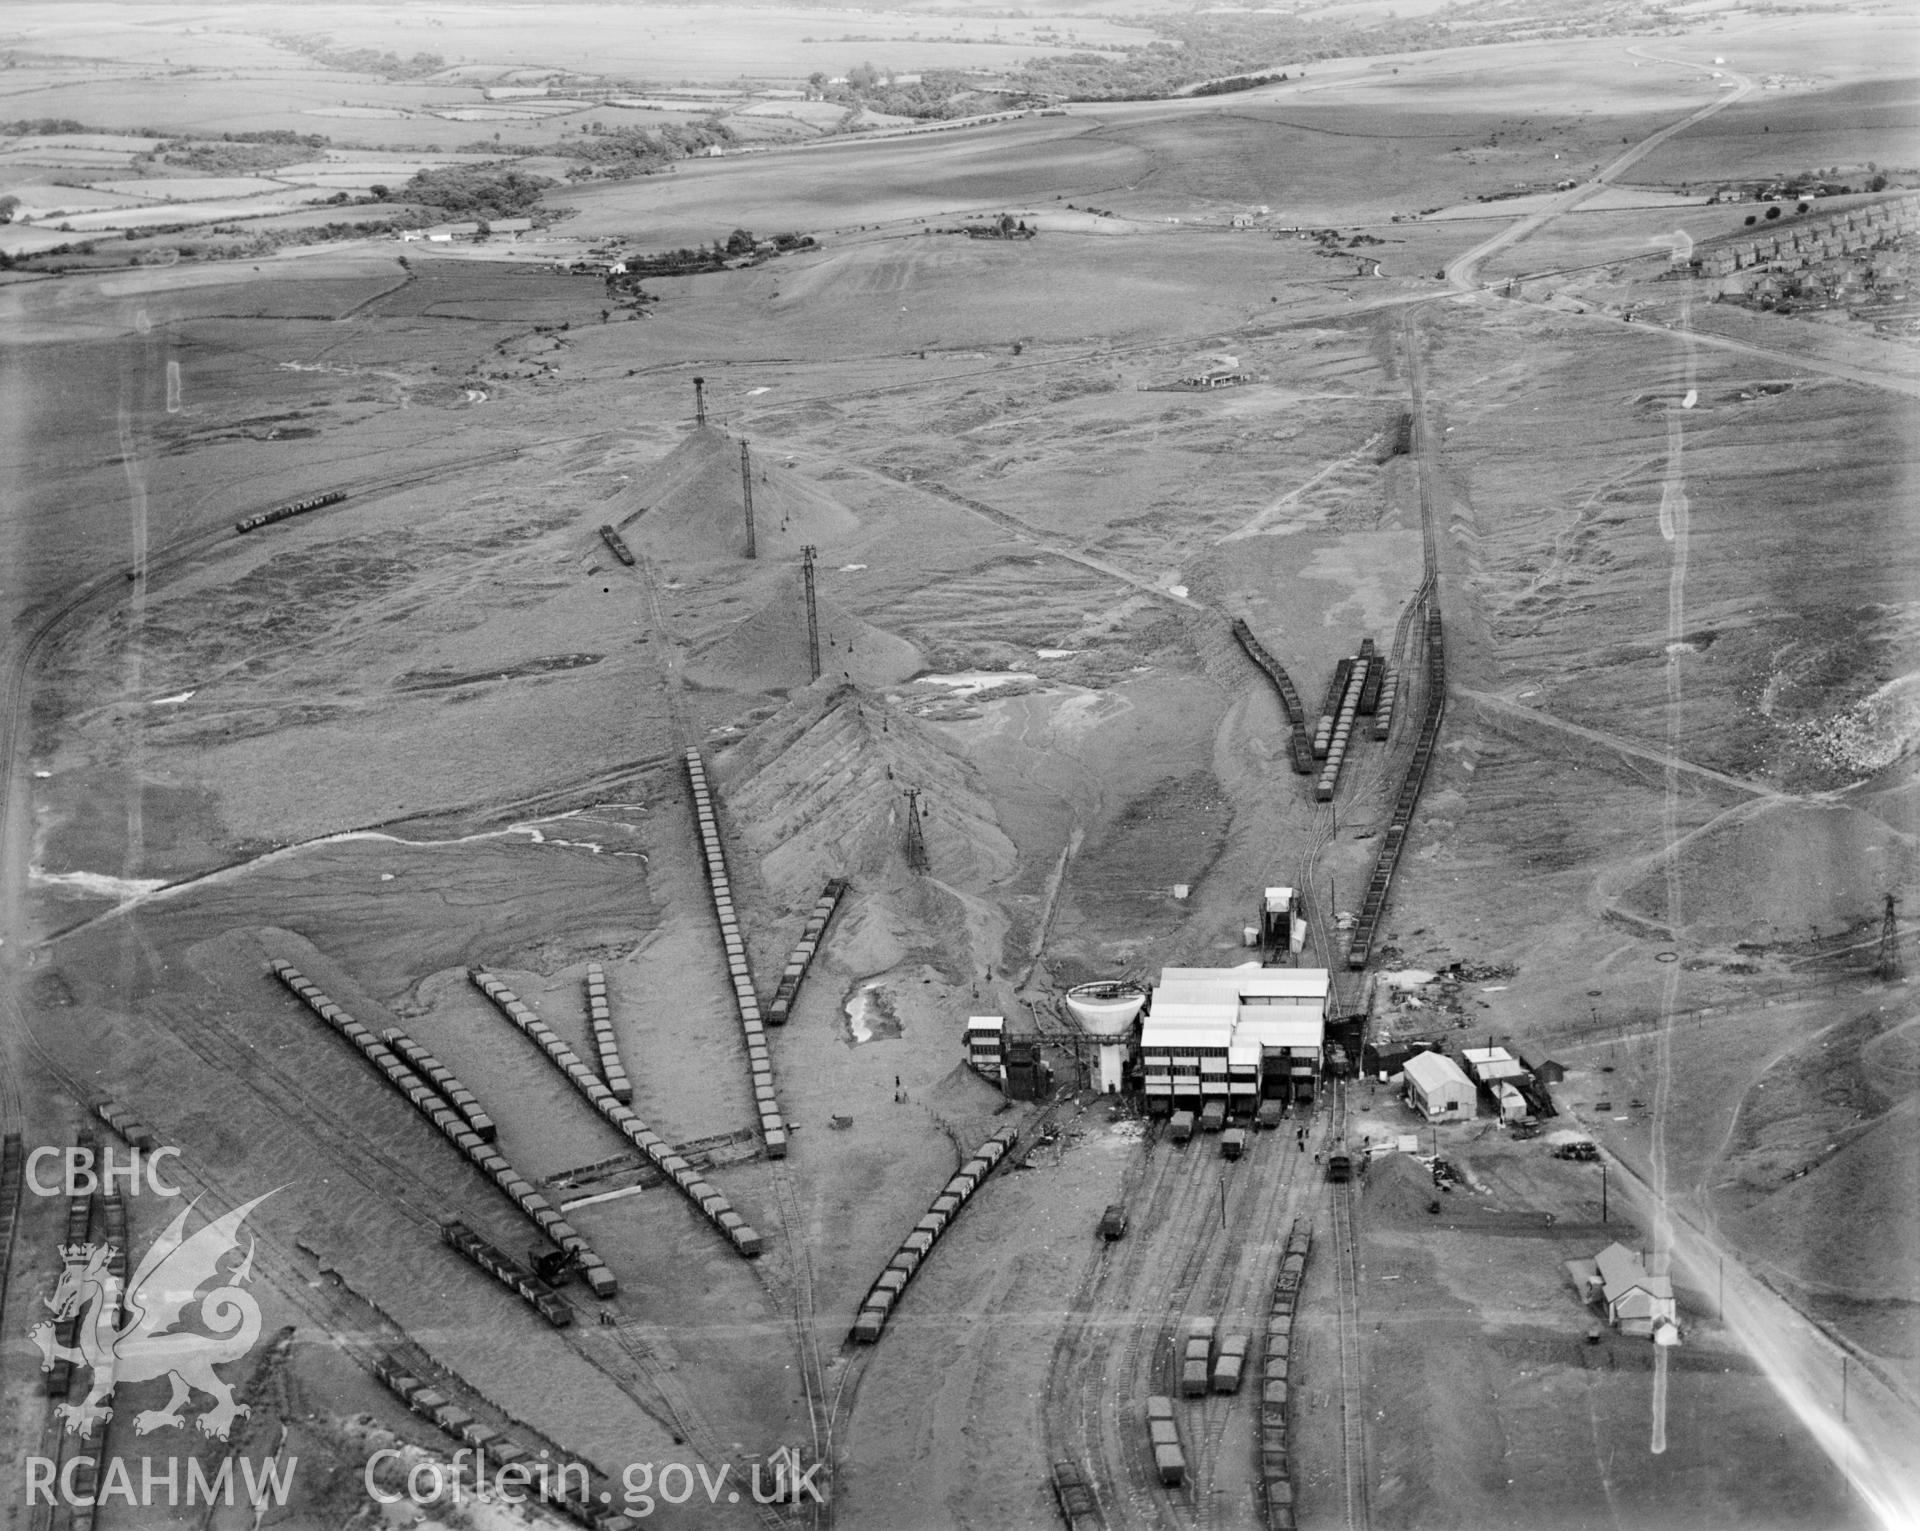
569	1481
442	1079
79	1227
1337	727
81	1465
1163	1438
454	1127
13	1169
713	1205
1276	1467
605	1045
801	958
773	1126
123	1121
295	508
617	545
1380	883
884	1295
1300	747
548	1303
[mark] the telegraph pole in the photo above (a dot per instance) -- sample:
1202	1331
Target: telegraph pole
746	495
813	616
699	401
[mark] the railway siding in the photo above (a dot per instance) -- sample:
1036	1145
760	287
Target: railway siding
885	1293
453	1126
773	1124
1300	748
712	1204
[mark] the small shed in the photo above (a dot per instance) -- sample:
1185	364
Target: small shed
1438	1088
1490	1065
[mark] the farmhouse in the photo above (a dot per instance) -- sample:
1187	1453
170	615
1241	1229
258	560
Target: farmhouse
1617	1279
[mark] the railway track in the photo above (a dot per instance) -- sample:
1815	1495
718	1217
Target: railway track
1121	1340
1104	1345
1426	604
1345	1260
1240	1279
793	1287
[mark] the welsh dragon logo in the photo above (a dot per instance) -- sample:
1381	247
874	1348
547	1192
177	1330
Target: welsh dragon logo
145	1335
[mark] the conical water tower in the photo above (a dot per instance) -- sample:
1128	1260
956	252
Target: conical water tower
1107	1011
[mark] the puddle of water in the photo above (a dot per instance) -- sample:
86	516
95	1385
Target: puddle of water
98	884
971	682
870	1015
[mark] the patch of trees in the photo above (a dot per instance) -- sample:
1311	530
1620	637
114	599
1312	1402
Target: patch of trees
319	47
241	153
477	191
937	95
45	127
740	248
616	153
1238	82
1003	227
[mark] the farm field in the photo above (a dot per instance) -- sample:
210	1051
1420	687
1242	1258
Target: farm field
1210	367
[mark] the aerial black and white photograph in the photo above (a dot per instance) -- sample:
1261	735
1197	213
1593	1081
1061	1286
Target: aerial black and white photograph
937	765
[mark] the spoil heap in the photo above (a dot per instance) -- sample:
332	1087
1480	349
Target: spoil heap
819	790
1775	870
693	506
768	651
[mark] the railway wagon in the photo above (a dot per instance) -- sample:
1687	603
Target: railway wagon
1195	1377
1230	1363
1075	1497
548	1303
617	545
1180	1129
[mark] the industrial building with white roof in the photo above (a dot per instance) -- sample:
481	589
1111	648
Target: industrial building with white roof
1235	1034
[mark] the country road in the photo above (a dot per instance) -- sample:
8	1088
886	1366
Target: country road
1463	271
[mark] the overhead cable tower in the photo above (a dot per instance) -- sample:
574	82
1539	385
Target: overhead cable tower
699	401
1887	963
916	842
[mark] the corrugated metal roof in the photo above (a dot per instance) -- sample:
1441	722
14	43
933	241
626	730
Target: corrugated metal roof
1622	1269
1154	1035
1277	1026
1233	984
1176	1013
1436	1071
